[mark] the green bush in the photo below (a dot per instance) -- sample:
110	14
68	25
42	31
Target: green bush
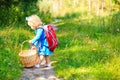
87	50
10	40
89	45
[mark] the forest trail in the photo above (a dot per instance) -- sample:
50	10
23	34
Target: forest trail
42	73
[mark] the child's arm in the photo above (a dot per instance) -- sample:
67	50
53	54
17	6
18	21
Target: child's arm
37	37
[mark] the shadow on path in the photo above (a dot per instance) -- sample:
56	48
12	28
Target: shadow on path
46	73
42	73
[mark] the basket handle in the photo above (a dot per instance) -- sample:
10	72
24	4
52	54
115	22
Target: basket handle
23	43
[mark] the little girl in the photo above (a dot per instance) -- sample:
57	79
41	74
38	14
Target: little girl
39	40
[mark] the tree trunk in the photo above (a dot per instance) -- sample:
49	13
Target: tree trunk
60	3
75	2
98	8
102	7
110	10
89	6
55	6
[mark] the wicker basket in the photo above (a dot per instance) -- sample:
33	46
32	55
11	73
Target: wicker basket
28	57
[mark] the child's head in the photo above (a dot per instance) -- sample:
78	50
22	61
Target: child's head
34	21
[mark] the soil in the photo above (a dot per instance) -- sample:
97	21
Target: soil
42	73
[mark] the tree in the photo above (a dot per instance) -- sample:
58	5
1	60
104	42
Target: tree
89	6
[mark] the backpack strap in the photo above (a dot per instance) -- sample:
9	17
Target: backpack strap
43	30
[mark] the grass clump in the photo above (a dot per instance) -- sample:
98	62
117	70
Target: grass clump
87	50
10	40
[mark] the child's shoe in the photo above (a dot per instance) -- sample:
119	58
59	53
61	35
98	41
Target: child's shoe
37	66
48	65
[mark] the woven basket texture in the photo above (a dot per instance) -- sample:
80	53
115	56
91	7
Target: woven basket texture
28	57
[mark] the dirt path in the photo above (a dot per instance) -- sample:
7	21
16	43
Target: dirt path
42	73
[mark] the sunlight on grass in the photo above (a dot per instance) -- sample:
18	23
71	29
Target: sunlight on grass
88	36
114	67
86	73
11	38
73	71
95	72
87	51
63	34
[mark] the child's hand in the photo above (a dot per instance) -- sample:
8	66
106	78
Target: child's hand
30	41
33	48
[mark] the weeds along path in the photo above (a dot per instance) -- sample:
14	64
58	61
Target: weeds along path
42	73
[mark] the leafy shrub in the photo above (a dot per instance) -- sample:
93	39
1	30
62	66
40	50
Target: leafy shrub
10	40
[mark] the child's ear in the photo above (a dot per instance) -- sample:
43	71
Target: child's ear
30	24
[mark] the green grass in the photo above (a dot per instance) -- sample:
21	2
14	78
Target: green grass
10	40
88	50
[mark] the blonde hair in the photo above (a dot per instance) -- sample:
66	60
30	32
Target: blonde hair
35	20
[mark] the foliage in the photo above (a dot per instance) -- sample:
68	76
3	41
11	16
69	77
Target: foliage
88	49
89	44
15	11
11	39
117	1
